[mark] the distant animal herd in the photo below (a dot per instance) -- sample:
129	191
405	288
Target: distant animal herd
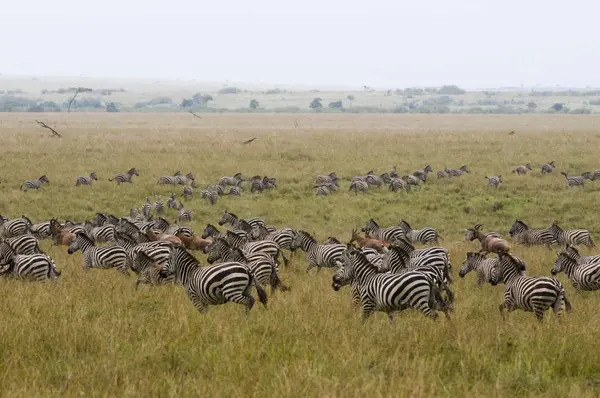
383	268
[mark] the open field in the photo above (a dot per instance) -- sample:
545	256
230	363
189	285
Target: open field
93	334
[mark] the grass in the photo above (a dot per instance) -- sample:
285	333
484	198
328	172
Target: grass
93	334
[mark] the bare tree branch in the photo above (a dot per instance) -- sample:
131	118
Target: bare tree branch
192	112
54	132
79	90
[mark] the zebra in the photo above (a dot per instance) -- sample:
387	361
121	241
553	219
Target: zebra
425	252
16	227
125	177
210	194
212	231
159	206
358	185
457	172
234	221
41	230
519	170
583	275
442	174
547	167
471	237
595	175
99	257
422	174
573	252
373	180
236	180
574	181
105	233
532	294
216	284
397	183
34	184
479	263
317	255
572	236
158	251
23	244
522	234
394	259
37	267
86	180
389	293
176	179
262	266
188	192
232	239
383	234
283	237
412	181
331	178
150	272
324	190
424	236
184	214
171	202
147	208
494	181
235	190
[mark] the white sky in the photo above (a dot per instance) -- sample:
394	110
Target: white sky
379	43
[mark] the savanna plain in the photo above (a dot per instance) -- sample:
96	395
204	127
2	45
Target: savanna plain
94	334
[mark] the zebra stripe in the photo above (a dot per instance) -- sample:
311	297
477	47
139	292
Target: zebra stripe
480	264
23	244
331	178
358	185
422	174
383	234
547	167
235	221
216	284
526	236
36	267
457	172
424	236
159	206
184	214
34	184
317	255
16	227
494	181
219	248
86	180
236	180
41	230
262	266
574	181
396	259
99	257
532	294
583	275
150	272
519	170
125	177
572	237
389	293
171	202
158	251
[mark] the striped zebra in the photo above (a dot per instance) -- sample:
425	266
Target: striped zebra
595	175
235	190
234	221
125	177
383	234
317	255
531	294
583	275
211	195
36	267
184	214
283	237
494	181
265	246
99	257
412	181
479	263
158	251
86	180
16	227
171	180
470	236
374	181
520	170
34	184
389	293
23	244
331	178
422	174
326	189
262	266
424	236
574	181
572	237
548	167
105	233
358	185
399	183
212	231
171	202
522	234
147	208
41	230
236	180
573	252
457	172
217	284
395	259
188	192
159	206
150	272
425	252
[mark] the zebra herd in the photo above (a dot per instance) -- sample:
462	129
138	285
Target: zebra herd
383	268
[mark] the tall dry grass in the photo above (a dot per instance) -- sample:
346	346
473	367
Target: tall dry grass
94	334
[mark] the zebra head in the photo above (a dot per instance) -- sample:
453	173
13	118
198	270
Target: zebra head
345	273
506	267
371	225
217	250
470	262
78	242
209	230
561	262
518	227
227	217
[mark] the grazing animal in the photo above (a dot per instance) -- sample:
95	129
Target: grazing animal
520	170
480	264
358	185
16	227
85	180
457	172
266	246
193	242
317	255
368	242
125	177
34	184
171	202
262	266
150	272
583	275
217	284
489	243
331	178
235	221
422	174
574	181
159	206
548	167
37	267
184	214
389	293
571	237
399	183
469	233
524	235
389	234
442	174
394	260
147	208
494	181
532	294
424	236
234	181
99	257
153	237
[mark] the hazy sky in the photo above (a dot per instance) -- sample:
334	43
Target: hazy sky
393	43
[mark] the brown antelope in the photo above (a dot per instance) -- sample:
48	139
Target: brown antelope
193	242
153	237
489	243
59	235
370	243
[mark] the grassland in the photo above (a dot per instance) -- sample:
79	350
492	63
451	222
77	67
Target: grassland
93	334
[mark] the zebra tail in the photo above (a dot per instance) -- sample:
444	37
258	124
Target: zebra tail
439	236
276	282
21	187
565	299
262	295
110	179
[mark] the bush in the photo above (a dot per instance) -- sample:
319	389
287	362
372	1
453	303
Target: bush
254	104
336	105
229	90
451	90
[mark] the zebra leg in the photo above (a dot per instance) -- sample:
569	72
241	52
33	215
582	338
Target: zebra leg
310	266
200	305
286	261
501	309
367	310
244	298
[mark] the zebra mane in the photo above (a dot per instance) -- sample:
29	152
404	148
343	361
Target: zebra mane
231	214
521	222
301	232
84	236
181	252
405	224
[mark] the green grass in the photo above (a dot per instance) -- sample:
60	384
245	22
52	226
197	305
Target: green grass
94	334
